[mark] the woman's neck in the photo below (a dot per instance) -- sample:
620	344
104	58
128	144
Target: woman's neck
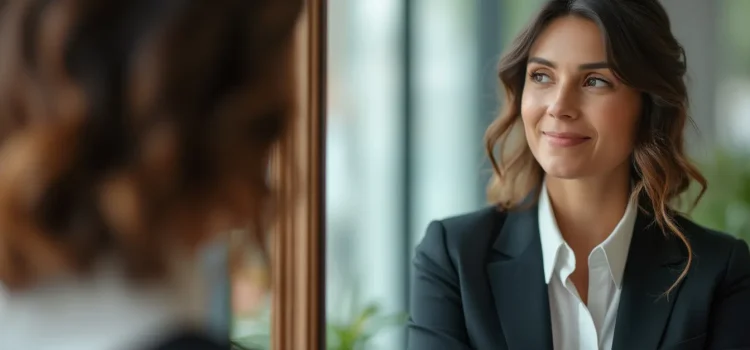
588	209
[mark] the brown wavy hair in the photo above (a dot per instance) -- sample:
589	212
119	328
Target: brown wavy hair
137	128
645	55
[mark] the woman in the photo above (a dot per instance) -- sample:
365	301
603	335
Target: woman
584	249
132	134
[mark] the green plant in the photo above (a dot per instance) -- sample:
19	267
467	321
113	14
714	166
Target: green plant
350	334
726	203
354	334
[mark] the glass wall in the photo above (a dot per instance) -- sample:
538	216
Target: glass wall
411	89
726	205
365	239
733	70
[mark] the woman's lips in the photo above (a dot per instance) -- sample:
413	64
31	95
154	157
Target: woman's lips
565	139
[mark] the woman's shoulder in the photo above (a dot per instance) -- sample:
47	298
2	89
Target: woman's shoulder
484	219
464	231
705	240
190	341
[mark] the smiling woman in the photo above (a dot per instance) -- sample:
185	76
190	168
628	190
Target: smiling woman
577	100
583	247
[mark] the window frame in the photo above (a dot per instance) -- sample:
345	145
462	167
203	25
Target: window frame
298	166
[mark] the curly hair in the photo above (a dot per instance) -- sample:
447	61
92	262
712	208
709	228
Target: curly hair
138	129
644	54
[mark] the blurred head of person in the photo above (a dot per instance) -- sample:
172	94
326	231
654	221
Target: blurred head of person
596	90
135	132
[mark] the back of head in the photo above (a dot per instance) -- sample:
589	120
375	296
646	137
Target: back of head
135	129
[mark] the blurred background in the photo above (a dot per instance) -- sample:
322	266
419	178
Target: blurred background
411	88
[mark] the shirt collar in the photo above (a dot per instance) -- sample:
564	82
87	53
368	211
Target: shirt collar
615	247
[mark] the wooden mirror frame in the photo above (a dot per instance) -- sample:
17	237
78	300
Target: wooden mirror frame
298	259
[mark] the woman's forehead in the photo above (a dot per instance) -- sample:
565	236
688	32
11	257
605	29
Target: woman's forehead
570	40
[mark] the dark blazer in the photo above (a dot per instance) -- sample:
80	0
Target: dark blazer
478	283
191	340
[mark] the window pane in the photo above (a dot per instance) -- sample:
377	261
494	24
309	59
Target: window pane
365	239
447	149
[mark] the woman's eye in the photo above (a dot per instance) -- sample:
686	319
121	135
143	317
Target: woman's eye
540	78
596	82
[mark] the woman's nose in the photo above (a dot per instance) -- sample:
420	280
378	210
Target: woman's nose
564	103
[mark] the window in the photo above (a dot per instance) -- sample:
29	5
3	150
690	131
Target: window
410	87
290	316
410	90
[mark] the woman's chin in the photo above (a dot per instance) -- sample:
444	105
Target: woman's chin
565	171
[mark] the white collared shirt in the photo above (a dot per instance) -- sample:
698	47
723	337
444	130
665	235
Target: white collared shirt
575	325
103	312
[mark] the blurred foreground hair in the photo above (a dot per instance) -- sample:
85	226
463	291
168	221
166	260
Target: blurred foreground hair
137	129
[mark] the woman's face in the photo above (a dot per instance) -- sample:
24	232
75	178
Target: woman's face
579	119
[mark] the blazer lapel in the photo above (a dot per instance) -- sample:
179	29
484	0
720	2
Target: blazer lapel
654	264
516	278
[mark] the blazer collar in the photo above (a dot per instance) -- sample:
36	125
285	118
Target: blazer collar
516	275
615	247
655	261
